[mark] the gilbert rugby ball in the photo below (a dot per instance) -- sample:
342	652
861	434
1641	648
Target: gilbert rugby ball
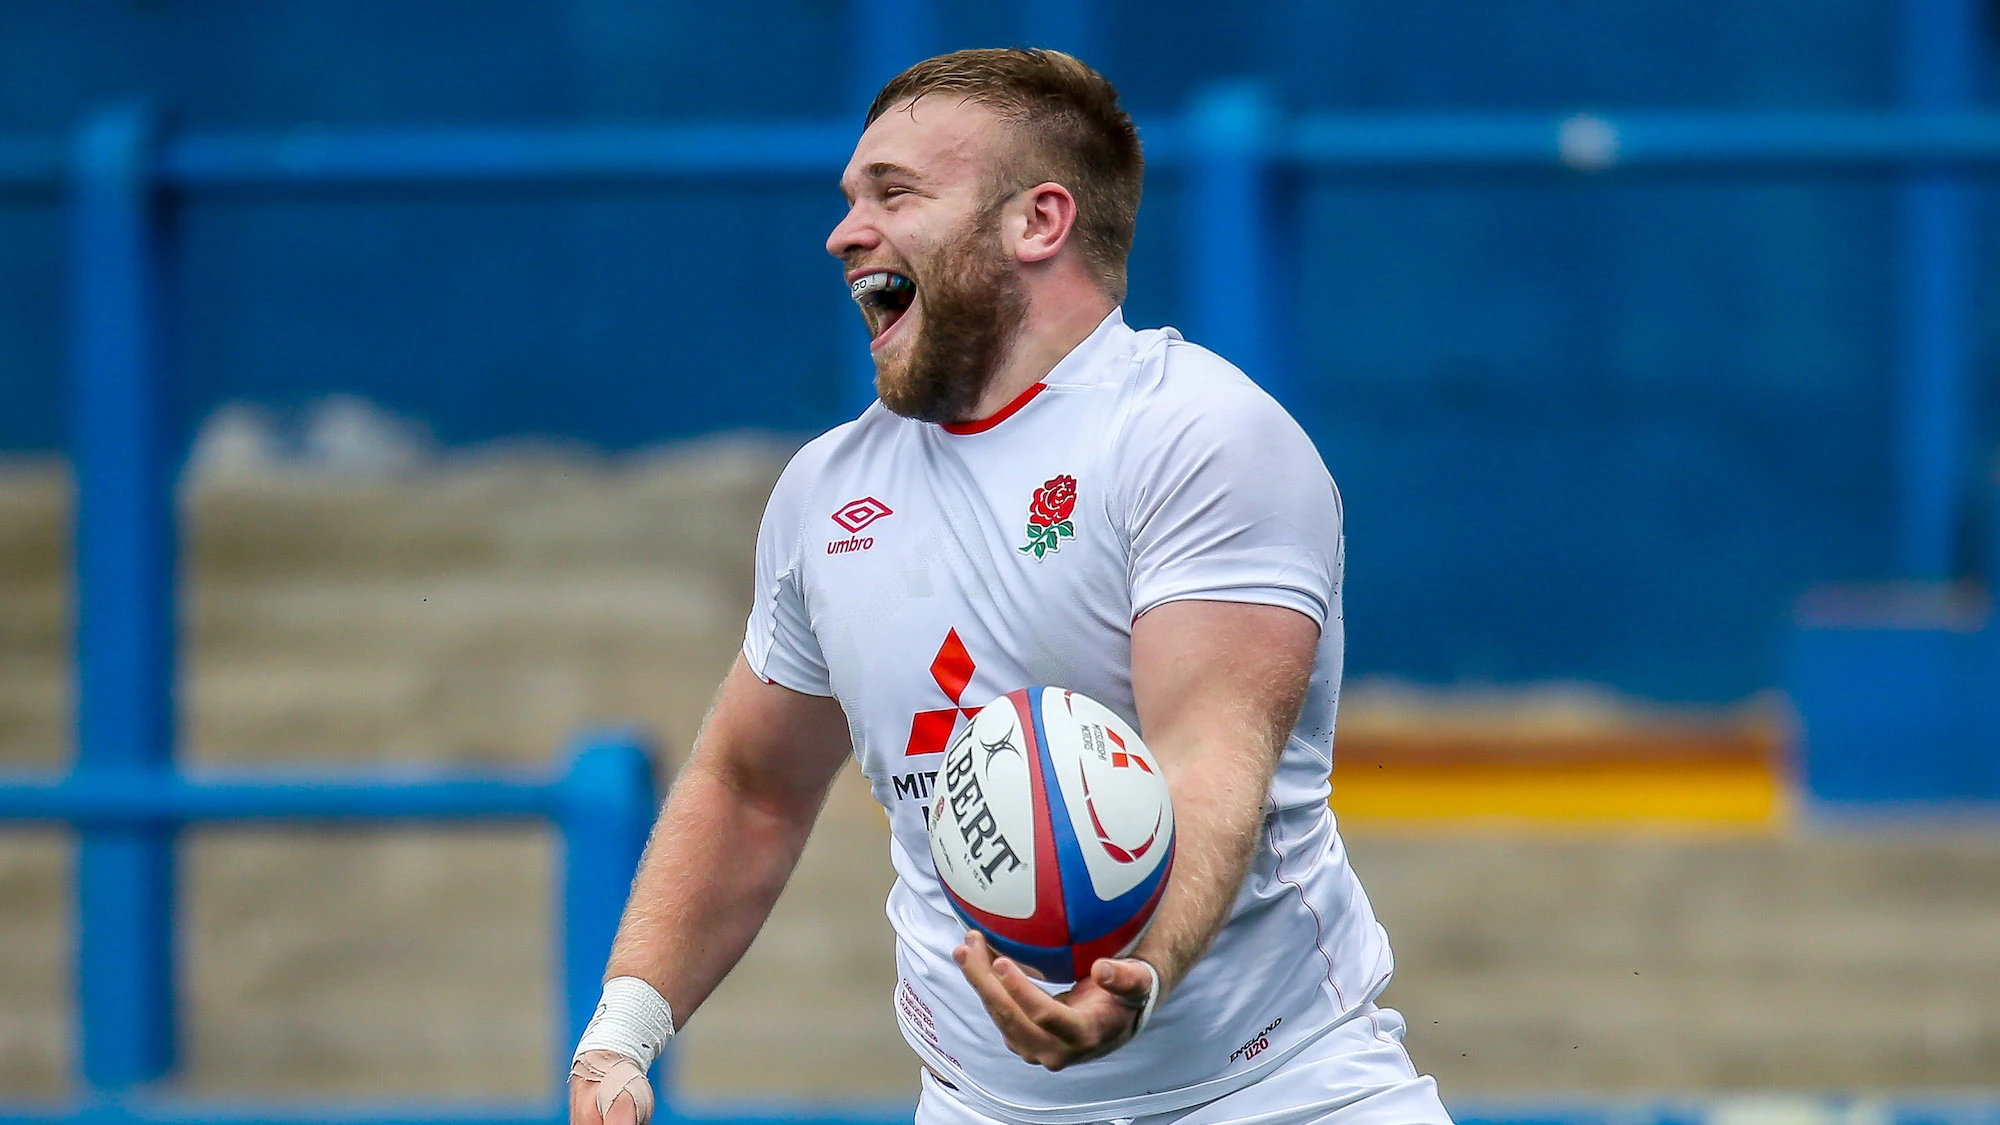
1052	830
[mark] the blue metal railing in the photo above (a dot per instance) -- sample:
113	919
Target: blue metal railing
602	808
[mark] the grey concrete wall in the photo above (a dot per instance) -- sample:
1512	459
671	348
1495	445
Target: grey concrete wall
479	610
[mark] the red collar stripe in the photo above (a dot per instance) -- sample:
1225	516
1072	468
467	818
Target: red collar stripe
999	416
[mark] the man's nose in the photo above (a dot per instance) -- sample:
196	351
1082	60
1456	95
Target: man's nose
852	235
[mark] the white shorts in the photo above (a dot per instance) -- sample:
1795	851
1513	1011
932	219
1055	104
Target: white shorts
1356	1074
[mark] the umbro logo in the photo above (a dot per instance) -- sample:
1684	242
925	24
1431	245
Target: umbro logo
853	516
857	514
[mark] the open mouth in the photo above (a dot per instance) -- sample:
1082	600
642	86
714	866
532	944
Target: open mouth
884	296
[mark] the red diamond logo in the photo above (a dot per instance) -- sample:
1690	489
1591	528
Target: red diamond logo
953	667
930	731
857	514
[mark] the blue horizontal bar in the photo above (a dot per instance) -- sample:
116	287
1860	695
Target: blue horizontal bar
1739	143
113	798
1908	1111
1574	1114
1637	142
789	1113
1654	142
174	1112
1411	143
518	156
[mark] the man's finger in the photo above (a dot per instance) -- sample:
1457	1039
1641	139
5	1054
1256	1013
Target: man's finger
624	1109
1023	1035
583	1103
1049	1014
624	1096
977	964
1130	981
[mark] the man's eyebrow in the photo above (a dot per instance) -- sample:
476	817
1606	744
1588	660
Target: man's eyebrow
882	170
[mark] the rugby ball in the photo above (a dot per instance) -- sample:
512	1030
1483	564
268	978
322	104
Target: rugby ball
1052	830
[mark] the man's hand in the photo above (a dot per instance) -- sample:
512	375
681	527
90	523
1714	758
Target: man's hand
606	1088
1094	1018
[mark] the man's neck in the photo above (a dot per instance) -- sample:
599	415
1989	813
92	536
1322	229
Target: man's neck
1056	323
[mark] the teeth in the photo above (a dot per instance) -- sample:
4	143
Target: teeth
881	281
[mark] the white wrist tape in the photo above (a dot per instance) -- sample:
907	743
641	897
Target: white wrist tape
1152	998
632	1019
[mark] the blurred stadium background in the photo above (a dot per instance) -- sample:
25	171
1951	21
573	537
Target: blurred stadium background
1653	345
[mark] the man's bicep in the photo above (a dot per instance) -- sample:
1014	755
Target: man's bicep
772	743
1204	671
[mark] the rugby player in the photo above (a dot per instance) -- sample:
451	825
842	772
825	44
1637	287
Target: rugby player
1042	495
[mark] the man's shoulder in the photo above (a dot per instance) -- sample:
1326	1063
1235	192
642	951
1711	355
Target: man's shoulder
816	458
1180	386
812	469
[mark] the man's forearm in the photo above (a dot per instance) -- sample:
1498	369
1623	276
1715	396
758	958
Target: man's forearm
1218	809
1218	725
718	859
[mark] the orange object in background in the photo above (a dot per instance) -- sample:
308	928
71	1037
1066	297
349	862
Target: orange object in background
1555	759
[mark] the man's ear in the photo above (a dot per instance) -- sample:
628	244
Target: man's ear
1045	221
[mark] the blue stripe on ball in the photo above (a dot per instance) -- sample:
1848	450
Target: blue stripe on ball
1088	915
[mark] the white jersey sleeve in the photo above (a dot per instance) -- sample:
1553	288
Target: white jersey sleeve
1223	496
779	644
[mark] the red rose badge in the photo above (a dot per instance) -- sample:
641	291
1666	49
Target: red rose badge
1048	517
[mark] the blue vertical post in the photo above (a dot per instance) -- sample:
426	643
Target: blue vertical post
125	629
884	37
1938	41
605	811
1226	231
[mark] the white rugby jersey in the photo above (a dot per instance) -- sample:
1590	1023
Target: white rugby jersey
916	571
